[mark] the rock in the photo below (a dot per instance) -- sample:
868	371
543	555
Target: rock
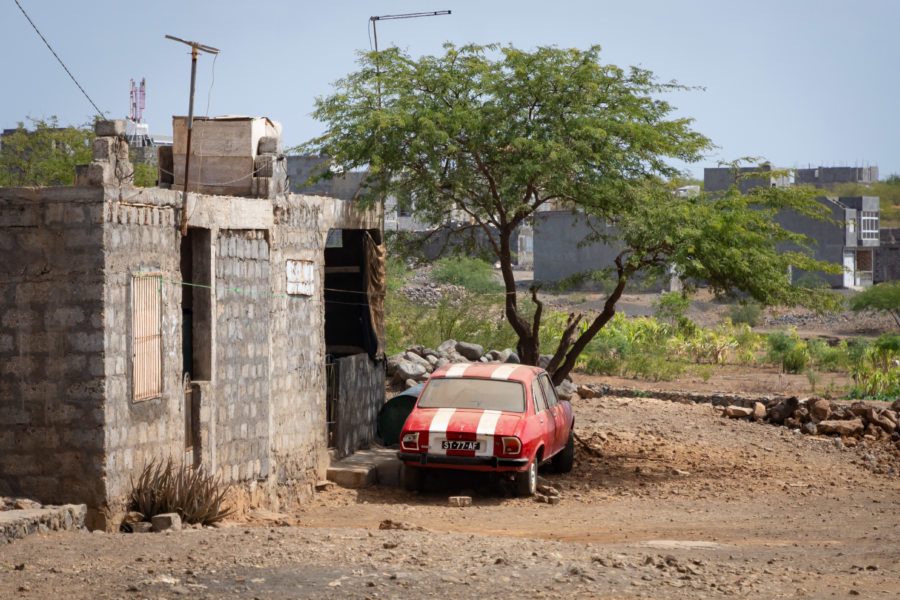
141	527
456	357
759	411
811	428
426	352
324	485
566	390
166	522
548	490
737	412
838	443
819	409
876	418
417	350
440	363
446	348
413	357
859	409
26	504
433	360
513	358
547	499
409	370
801	415
503	355
471	351
410	383
783	409
544	360
392	362
585	391
792	423
849	427
895	406
461	501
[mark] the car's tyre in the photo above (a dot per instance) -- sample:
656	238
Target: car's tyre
526	481
411	477
565	458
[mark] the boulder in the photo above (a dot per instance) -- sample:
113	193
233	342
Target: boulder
413	357
875	418
544	360
566	390
810	428
433	360
783	409
819	409
737	412
471	351
759	411
446	348
391	363
848	427
895	406
418	350
859	409
166	521
407	369
513	358
493	356
440	363
586	391
801	414
429	352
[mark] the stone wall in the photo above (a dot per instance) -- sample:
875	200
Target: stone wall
51	344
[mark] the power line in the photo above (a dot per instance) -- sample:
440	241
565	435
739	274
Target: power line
99	112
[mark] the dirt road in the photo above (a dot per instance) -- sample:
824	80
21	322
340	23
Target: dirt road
682	503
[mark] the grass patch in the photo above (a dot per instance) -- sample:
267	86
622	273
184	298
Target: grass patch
476	276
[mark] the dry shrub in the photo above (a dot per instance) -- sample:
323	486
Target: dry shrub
165	487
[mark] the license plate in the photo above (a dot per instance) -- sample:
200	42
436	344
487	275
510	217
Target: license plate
460	445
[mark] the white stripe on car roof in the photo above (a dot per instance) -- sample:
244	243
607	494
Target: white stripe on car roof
503	371
456	370
488	422
441	419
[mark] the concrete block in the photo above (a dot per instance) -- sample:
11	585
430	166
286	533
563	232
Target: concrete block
269	144
166	522
115	127
105	148
100	173
460	501
263	165
352	477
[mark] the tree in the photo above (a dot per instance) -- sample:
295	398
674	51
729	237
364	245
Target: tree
496	133
45	155
882	297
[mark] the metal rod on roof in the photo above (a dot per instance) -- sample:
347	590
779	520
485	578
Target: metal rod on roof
195	49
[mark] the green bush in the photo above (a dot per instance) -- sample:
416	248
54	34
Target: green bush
789	350
671	307
602	365
795	359
475	275
827	357
745	312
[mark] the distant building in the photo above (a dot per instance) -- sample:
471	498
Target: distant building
827	176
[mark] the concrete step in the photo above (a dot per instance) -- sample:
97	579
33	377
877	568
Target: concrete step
366	467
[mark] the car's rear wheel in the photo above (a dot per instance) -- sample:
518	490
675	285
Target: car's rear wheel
526	481
565	458
411	477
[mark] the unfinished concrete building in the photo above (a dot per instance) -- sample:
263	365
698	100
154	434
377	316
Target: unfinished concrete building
240	332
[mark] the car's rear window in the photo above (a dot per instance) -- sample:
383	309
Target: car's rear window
481	394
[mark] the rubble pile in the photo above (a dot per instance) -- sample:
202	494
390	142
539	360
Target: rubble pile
413	366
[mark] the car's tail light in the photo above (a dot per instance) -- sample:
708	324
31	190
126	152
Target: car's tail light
410	441
511	445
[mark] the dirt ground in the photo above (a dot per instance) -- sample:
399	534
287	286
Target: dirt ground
680	503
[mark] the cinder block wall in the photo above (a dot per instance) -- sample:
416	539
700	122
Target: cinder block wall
140	235
242	339
52	362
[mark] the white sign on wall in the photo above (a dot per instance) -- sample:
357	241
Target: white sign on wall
300	277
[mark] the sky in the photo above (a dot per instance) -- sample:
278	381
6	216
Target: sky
797	82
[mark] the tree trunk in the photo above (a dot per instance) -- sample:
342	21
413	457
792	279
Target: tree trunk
528	347
573	350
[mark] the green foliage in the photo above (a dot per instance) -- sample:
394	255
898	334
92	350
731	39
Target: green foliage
827	357
811	281
44	155
494	133
473	318
876	374
788	350
397	273
882	297
166	487
602	365
748	312
477	276
672	307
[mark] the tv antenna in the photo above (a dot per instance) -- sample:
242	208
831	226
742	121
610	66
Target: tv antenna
196	48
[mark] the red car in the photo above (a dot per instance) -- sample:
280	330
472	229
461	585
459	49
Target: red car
504	418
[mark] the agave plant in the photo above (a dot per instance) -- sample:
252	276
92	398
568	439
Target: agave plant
164	487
